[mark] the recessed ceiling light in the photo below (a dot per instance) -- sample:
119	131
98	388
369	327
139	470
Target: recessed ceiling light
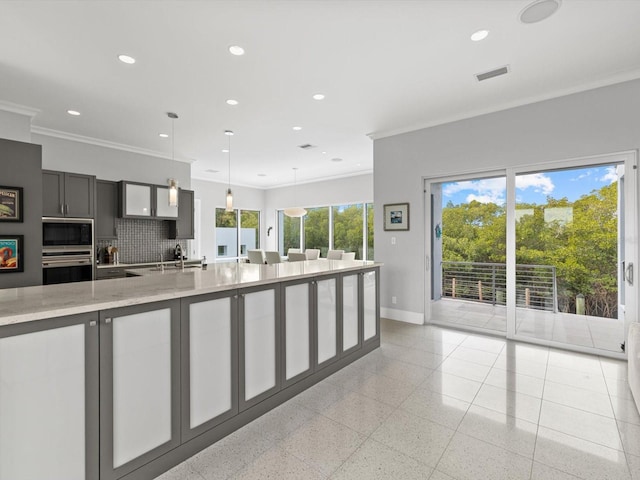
75	113
539	10
224	150
236	50
358	164
262	174
479	35
336	159
324	153
231	101
127	59
163	135
297	129
318	96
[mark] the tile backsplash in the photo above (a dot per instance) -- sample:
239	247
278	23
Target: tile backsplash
141	241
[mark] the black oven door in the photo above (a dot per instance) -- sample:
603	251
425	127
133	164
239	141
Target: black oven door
66	274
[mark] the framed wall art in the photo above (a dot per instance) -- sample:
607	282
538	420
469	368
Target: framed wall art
396	216
11	253
11	204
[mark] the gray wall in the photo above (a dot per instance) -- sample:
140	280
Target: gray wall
21	166
15	126
599	121
110	163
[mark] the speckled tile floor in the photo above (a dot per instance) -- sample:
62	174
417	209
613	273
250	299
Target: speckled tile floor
441	404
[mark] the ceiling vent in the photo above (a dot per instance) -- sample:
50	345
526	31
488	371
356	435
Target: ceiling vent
493	73
306	146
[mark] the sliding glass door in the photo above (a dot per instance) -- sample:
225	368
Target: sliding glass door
542	254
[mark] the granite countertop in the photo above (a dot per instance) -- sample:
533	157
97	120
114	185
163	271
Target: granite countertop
18	305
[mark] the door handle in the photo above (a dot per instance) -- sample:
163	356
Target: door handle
628	273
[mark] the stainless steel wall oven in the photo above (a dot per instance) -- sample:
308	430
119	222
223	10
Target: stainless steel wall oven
68	253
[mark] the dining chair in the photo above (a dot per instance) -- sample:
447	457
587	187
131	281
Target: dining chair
293	250
334	254
273	257
297	257
255	256
348	256
312	253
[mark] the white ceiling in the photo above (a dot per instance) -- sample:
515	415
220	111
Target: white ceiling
384	66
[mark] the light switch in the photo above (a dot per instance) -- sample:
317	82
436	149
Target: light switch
393	240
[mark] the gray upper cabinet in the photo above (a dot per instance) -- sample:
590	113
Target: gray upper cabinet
106	210
67	194
141	200
182	228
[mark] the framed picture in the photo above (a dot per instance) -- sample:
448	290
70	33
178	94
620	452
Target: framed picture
11	256
396	216
10	204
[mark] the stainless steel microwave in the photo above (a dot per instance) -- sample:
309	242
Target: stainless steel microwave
67	232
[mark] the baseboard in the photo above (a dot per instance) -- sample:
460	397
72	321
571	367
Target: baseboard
402	315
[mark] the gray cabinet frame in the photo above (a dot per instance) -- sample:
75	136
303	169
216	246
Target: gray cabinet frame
92	375
336	357
245	404
122	195
182	228
106	210
185	303
68	194
360	314
107	472
375	340
283	332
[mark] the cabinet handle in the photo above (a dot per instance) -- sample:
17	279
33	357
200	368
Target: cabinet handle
62	209
93	323
107	320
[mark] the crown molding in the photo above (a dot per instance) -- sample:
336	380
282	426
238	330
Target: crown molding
104	143
19	109
607	82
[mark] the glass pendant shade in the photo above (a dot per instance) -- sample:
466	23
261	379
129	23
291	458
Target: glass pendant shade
173	193
295	212
229	201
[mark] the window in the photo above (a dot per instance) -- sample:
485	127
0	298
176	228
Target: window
340	227
316	229
237	231
288	232
226	233
348	226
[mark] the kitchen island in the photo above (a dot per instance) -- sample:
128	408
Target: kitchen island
125	378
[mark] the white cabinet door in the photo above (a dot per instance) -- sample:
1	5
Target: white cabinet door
297	331
370	310
139	385
349	311
137	200
162	204
260	348
327	324
42	404
211	347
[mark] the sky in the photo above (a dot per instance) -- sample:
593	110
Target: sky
532	188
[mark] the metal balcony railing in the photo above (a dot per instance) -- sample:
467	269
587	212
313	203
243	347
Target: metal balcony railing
487	283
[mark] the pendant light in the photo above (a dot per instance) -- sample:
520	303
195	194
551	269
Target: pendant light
295	212
229	203
173	184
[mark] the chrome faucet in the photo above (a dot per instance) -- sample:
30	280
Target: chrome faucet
160	265
179	248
